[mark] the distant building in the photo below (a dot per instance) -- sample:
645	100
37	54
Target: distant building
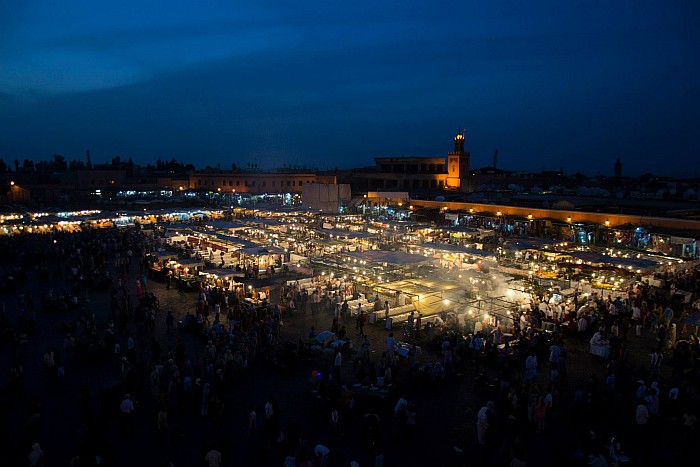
328	198
417	173
618	168
255	182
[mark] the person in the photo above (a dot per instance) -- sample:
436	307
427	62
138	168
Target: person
582	326
362	319
410	423
400	406
637	320
661	336
126	408
390	346
668	315
213	458
336	311
344	310
321	452
642	419
36	456
482	422
540	413
335	421
169	320
599	346
252	421
337	364
386	309
269	410
312	333
531	366
162	424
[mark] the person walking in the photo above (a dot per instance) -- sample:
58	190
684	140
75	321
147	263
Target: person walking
36	456
361	320
169	321
252	421
337	364
126	410
531	366
482	422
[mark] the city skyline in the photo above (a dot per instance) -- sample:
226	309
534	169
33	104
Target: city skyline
550	86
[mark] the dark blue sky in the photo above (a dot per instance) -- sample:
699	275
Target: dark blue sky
551	84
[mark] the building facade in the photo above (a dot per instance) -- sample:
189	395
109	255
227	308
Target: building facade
417	173
255	182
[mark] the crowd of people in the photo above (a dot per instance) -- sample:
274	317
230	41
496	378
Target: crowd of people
524	378
521	373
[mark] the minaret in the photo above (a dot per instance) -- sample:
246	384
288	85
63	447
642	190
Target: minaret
618	168
459	143
458	164
89	162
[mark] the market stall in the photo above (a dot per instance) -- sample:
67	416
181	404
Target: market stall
456	256
186	273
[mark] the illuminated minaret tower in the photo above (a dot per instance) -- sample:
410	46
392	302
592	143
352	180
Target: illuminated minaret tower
458	165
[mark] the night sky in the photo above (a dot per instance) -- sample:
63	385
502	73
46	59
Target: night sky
551	84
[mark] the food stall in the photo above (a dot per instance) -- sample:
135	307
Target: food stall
186	273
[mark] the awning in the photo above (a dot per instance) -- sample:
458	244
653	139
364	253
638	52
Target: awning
398	258
339	233
457	249
191	262
262	250
600	258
